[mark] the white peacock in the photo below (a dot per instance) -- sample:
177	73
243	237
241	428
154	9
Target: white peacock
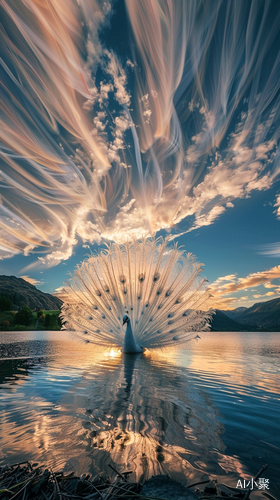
153	289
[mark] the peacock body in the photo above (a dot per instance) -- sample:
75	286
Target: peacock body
158	288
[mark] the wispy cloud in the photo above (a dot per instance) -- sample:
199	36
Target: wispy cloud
32	281
271	249
87	156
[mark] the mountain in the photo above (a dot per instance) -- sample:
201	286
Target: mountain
222	323
23	293
235	312
261	316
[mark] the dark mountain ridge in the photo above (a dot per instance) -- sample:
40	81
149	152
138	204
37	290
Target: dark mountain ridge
261	316
23	293
222	323
234	313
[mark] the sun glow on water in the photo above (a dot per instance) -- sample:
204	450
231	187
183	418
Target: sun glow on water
114	353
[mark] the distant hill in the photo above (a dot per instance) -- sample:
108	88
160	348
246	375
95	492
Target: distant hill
235	312
261	316
266	315
222	323
23	293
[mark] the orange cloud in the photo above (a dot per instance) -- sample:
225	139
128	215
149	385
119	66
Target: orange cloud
231	284
32	281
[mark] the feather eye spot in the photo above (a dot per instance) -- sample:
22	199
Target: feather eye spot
179	300
156	277
109	307
147	305
131	308
103	316
141	277
97	331
168	293
90	318
98	293
159	306
159	291
85	332
151	319
122	279
139	297
106	289
171	315
159	331
95	308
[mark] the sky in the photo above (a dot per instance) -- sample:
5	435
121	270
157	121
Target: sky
130	119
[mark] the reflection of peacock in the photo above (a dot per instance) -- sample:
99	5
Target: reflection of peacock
157	288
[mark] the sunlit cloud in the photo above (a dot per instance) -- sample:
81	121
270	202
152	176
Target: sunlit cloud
269	285
30	280
231	284
268	294
277	205
87	155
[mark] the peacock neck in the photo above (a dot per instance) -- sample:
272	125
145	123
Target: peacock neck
130	345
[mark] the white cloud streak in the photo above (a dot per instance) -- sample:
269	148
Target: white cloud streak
86	157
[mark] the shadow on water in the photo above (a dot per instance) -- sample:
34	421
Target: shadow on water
13	371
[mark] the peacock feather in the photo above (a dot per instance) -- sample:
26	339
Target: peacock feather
156	285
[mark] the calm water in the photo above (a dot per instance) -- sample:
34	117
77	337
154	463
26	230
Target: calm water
210	409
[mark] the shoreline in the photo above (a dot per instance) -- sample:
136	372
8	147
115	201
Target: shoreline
29	480
65	330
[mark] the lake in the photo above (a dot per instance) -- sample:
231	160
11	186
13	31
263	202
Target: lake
209	409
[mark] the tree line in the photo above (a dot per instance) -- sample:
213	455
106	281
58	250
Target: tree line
26	317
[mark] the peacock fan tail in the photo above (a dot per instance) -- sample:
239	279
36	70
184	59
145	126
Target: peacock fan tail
159	287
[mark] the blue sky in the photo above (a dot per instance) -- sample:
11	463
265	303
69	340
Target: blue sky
123	119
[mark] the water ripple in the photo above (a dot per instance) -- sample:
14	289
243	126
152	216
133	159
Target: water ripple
187	413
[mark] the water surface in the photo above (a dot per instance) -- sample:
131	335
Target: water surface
210	409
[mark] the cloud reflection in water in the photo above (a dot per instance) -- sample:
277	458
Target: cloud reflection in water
138	412
186	413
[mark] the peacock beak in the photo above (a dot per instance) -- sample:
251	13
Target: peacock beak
124	322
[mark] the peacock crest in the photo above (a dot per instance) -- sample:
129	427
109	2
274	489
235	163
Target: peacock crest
159	287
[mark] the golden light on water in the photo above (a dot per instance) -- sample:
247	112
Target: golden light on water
80	408
113	353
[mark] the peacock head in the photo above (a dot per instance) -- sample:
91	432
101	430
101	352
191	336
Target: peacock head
125	319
